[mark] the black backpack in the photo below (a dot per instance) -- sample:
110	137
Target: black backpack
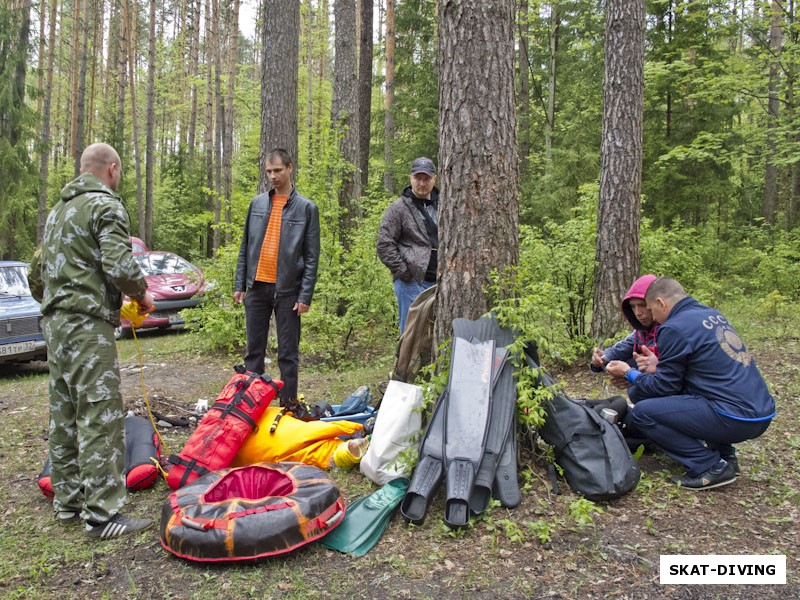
591	451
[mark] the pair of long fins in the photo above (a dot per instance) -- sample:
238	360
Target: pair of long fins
471	437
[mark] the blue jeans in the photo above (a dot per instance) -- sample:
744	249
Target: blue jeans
680	425
406	292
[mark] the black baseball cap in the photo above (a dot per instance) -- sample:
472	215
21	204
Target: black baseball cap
423	165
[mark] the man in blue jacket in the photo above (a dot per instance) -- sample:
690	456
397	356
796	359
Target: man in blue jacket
706	393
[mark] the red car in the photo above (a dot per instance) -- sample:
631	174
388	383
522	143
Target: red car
175	284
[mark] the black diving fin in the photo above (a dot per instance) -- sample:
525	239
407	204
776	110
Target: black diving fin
503	413
430	468
466	418
506	482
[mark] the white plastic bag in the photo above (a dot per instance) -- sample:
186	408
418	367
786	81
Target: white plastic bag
399	418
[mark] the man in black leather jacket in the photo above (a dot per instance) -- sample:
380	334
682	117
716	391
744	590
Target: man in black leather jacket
277	269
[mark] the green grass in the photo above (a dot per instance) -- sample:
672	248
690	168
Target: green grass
550	544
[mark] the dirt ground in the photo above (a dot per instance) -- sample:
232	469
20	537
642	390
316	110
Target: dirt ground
616	555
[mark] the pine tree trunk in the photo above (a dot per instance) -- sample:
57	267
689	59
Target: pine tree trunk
280	37
44	145
617	251
219	132
208	137
75	62
227	144
130	8
193	63
364	90
150	146
122	69
771	188
478	163
80	101
524	98
388	101
344	114
550	121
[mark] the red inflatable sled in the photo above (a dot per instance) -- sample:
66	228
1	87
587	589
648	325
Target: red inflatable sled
223	429
250	512
141	447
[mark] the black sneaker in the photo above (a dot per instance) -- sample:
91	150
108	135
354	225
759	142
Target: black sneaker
721	474
734	461
116	526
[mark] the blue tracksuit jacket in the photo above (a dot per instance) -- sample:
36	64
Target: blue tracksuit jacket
701	354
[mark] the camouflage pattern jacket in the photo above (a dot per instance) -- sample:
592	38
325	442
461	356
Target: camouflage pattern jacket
85	263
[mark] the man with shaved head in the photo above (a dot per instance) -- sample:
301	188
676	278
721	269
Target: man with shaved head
706	393
80	275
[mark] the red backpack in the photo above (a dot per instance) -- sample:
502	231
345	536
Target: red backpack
223	429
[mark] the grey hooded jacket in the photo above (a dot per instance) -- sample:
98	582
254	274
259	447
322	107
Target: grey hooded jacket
403	242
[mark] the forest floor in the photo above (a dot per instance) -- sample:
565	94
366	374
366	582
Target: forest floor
538	550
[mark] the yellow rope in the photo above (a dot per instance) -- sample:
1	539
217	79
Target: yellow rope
130	311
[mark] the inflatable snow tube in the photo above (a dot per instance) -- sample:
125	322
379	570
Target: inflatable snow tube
250	512
142	447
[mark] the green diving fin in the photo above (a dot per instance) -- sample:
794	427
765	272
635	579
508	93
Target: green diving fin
366	519
430	468
467	413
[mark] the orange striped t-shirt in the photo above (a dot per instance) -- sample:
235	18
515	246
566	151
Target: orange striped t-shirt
268	260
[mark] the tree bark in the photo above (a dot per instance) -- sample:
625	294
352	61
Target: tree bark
771	187
80	100
44	144
75	61
617	250
130	9
524	97
344	115
388	100
227	143
193	63
150	157
550	120
208	137
364	90
122	82
479	210
280	37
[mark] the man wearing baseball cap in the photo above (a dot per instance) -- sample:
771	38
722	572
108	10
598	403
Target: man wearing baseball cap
408	238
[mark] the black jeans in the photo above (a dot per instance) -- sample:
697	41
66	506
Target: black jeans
260	303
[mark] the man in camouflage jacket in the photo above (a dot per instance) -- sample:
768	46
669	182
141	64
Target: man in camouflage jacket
84	267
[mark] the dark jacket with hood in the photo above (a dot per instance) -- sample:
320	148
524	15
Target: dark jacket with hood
298	248
404	244
641	335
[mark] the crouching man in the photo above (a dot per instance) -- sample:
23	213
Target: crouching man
706	394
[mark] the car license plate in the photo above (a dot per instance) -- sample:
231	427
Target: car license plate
17	348
174	318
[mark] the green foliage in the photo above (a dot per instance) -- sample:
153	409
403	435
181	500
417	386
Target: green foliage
219	323
416	100
582	512
542	529
17	207
548	296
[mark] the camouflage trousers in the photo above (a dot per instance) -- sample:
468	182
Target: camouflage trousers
86	442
